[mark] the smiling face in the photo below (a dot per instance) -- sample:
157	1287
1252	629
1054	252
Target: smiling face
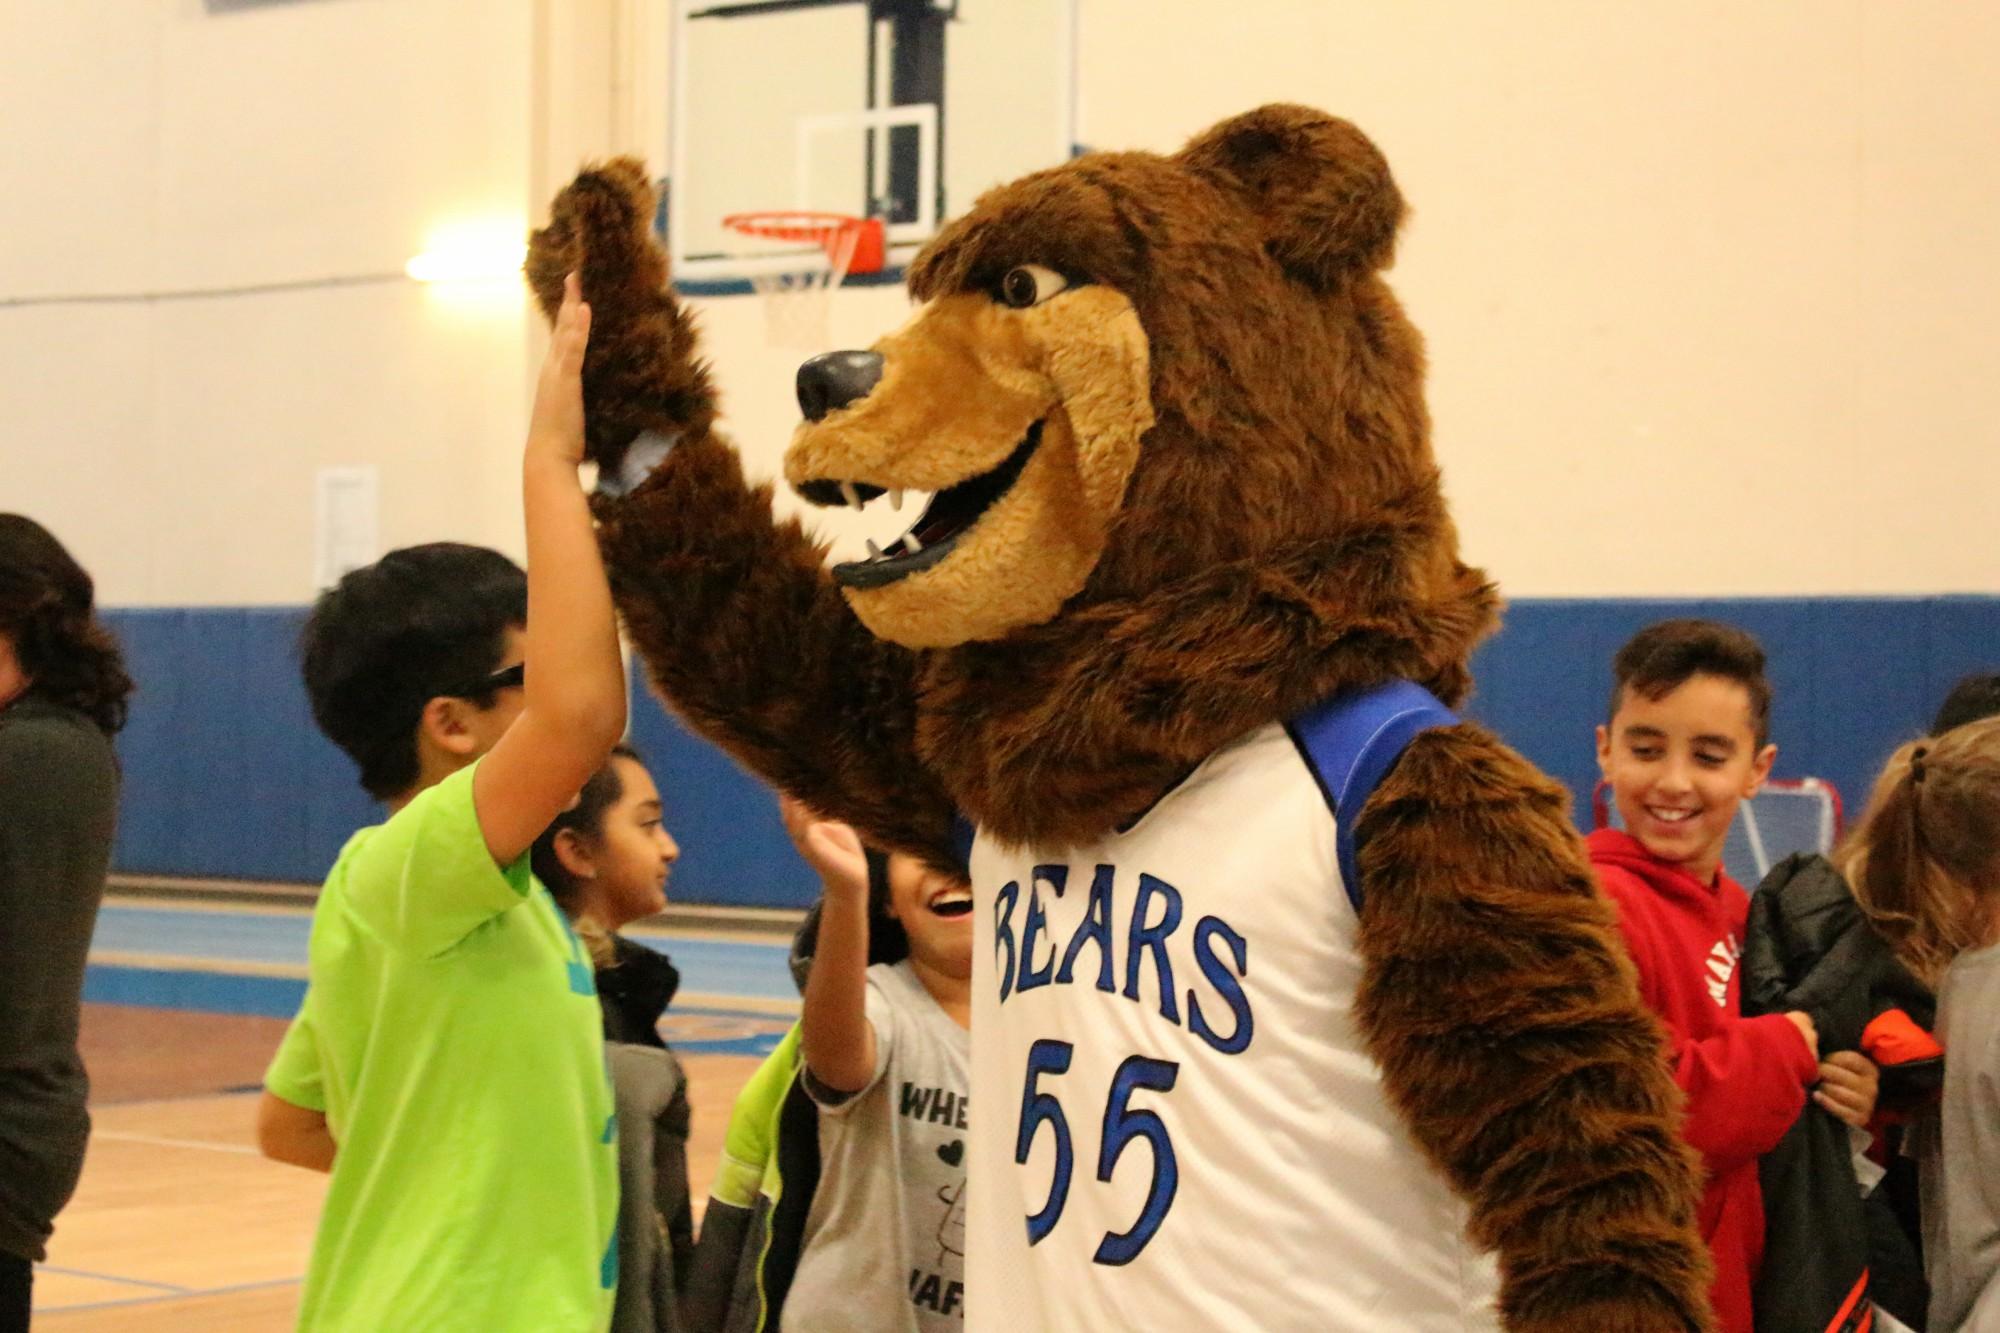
1021	411
935	910
1680	764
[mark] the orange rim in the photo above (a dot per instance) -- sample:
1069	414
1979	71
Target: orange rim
865	237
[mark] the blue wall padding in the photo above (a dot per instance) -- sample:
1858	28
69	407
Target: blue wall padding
225	775
733	845
1851	678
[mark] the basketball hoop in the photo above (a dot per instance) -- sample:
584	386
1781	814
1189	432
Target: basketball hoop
798	293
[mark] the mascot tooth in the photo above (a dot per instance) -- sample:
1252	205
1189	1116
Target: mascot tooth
1295	1005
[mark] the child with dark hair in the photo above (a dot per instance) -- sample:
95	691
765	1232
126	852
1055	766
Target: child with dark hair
447	1065
1685	743
400	661
1925	865
606	860
840	1204
62	697
1974	697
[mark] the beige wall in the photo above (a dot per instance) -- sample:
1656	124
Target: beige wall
167	147
1710	289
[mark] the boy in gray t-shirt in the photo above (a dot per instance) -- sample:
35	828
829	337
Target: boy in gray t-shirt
887	1062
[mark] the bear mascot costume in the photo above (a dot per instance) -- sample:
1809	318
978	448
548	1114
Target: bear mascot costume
1295	1006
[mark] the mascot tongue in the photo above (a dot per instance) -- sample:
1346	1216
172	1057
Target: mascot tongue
949	516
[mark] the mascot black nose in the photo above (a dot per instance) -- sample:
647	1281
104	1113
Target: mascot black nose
832	380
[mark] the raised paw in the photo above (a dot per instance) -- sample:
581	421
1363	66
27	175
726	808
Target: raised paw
601	226
641	373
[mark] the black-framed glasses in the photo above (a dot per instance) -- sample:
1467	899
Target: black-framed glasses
508	677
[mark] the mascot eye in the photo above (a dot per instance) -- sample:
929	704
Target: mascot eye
1030	284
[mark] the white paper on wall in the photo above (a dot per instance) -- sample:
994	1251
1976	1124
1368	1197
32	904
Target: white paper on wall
347	527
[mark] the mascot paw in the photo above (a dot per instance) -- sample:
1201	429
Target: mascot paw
641	375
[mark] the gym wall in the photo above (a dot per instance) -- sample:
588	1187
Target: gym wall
1706	290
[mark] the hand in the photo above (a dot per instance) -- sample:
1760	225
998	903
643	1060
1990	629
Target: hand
1848	1083
555	427
831	848
1803	1022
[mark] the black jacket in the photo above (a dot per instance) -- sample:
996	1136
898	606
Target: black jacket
1828	1253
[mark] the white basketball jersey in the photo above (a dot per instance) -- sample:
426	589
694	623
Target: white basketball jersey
1179	1126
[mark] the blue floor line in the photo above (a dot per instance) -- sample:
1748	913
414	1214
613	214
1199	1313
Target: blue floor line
180	1294
733	968
168	1287
203	992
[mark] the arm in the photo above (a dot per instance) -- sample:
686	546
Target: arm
575	686
739	623
1512	1040
728	1250
1744	1084
836	1037
58	807
291	1114
295	1135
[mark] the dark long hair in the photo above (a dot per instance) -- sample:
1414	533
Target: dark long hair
47	608
585	818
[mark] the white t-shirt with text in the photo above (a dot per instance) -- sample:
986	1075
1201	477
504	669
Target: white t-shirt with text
884	1244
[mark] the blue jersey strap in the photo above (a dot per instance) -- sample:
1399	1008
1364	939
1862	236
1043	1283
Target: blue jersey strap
962	835
1351	741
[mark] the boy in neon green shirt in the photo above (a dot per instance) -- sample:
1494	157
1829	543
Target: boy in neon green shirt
447	1065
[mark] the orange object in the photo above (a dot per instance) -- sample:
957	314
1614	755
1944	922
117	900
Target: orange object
1894	1038
831	232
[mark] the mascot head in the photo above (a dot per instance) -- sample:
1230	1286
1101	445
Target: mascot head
1171	418
1127	369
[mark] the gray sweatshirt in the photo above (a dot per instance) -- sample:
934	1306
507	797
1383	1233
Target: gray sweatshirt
58	809
1958	1156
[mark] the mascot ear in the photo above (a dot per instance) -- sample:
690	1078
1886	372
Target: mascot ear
1322	190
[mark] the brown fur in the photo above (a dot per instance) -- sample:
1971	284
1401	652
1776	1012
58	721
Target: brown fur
645	376
1280	536
746	637
1502	1007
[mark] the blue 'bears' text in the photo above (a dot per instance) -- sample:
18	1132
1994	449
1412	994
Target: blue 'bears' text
1028	957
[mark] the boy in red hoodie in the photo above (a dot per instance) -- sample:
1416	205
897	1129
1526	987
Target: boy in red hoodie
1686	743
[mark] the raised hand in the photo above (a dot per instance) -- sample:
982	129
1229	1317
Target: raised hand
831	848
643	374
555	427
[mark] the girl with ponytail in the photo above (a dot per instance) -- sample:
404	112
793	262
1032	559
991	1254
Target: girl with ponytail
1925	859
1925	865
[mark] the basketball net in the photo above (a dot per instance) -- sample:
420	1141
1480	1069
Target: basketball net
797	300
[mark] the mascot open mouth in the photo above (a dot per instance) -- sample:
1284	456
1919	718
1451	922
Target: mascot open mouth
951	514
